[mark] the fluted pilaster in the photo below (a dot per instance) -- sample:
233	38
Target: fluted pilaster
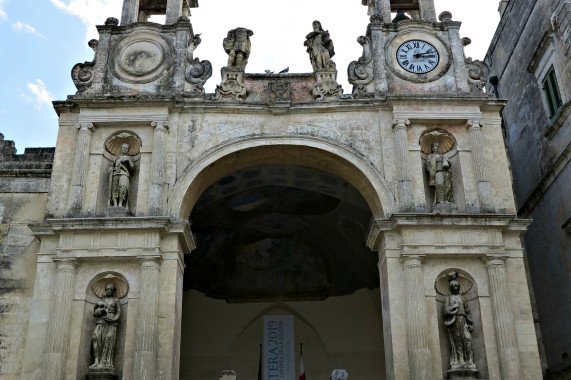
483	184
146	343
58	329
158	167
416	323
403	175
503	319
80	163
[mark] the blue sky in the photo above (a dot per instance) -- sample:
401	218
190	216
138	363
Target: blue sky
41	40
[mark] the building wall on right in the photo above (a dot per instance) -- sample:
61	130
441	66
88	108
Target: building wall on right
530	55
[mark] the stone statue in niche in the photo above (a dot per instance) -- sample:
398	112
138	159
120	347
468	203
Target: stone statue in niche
120	178
320	48
460	327
435	145
123	150
440	176
237	45
107	311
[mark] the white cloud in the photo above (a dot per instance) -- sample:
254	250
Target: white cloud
39	95
23	27
3	15
90	12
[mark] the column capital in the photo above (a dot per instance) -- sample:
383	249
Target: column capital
401	123
476	123
160	125
84	127
65	262
412	260
150	261
491	260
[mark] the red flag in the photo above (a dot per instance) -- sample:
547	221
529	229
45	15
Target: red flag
301	369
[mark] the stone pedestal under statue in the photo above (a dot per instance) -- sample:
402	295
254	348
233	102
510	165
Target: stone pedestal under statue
462	373
101	374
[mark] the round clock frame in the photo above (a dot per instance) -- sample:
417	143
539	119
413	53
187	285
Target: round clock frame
436	71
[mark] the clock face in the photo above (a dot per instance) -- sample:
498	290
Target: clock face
417	56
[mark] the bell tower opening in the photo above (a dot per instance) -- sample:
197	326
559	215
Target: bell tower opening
279	239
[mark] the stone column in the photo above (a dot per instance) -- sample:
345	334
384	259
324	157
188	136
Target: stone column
58	328
85	130
146	342
130	12
174	11
158	165
383	8
506	337
427	11
403	176
482	182
416	322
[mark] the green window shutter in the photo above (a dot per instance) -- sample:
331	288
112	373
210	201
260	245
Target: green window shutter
552	94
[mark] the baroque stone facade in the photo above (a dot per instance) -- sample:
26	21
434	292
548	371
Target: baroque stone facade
534	72
276	195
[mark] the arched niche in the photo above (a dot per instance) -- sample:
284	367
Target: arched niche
93	293
469	290
449	149
311	152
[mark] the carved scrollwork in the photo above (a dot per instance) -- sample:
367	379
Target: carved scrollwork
478	73
82	73
280	91
327	87
232	86
360	72
197	71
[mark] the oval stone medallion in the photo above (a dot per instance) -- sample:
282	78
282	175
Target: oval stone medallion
141	58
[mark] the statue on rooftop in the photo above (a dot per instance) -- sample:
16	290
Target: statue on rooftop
320	48
237	45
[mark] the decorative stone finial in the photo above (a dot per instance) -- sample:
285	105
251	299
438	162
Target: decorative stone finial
445	16
466	41
339	374
112	21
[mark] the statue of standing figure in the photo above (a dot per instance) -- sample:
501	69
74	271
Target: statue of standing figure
107	311
120	178
440	177
457	320
237	45
320	48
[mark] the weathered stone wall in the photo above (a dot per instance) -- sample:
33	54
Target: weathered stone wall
24	182
532	36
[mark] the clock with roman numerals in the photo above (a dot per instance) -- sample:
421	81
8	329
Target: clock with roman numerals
417	56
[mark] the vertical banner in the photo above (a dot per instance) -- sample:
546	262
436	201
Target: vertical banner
279	358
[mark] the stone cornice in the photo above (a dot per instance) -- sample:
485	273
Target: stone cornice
163	225
398	222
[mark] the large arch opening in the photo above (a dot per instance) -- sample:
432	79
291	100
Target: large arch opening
277	237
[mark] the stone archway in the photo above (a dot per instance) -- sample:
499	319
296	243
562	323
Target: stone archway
304	210
307	151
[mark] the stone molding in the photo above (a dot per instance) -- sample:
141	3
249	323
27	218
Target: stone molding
463	226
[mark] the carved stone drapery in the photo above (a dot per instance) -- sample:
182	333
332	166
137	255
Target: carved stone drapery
360	72
506	336
404	181
80	164
483	184
158	167
416	323
146	341
58	329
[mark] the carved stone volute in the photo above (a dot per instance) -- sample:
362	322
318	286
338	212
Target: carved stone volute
197	71
360	72
82	73
478	74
